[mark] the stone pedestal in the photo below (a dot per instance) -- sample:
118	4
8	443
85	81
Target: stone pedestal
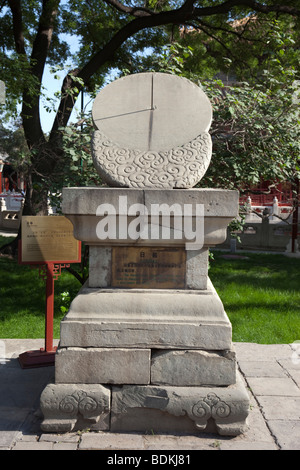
146	344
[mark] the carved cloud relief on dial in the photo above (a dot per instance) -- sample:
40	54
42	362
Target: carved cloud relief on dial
180	167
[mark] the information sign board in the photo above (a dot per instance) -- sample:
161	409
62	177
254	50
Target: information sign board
48	239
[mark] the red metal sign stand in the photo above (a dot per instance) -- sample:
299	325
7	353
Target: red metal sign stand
49	272
45	356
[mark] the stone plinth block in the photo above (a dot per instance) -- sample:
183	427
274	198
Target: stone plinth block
180	409
193	368
196	269
68	407
87	208
102	365
147	319
101	266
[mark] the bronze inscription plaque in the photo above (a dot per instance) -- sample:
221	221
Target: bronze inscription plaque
148	267
48	238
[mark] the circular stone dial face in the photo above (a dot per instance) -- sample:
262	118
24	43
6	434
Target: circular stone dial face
152	111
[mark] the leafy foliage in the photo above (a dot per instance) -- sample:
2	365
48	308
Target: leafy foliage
257	42
256	134
256	126
76	167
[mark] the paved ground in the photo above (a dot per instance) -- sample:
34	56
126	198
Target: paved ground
271	372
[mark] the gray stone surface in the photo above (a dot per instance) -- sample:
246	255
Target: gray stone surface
196	269
272	353
33	446
262	369
193	368
152	132
11	419
20	426
287	433
99	266
65	406
152	111
102	366
275	407
245	445
292	366
155	335
274	386
85	201
180	409
19	389
147	319
179	167
103	441
108	334
80	206
148	305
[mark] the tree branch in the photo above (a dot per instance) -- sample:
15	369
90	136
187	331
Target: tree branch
30	109
15	7
232	31
250	4
43	37
133	11
148	19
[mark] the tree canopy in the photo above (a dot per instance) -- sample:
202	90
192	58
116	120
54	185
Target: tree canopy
233	36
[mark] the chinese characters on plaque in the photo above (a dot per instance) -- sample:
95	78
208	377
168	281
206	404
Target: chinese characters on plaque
48	239
148	267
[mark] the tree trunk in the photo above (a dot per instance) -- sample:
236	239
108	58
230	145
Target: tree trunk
46	154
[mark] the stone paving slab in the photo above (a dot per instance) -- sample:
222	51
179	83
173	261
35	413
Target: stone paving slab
287	433
280	408
262	352
261	369
292	369
273	386
270	373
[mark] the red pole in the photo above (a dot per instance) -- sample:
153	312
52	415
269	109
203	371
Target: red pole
49	308
44	357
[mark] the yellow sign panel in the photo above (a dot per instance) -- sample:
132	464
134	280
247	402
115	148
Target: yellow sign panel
48	239
148	267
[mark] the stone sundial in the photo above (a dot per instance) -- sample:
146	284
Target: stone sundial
151	132
146	343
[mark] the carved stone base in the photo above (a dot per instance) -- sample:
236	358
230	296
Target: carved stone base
180	409
68	407
145	408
